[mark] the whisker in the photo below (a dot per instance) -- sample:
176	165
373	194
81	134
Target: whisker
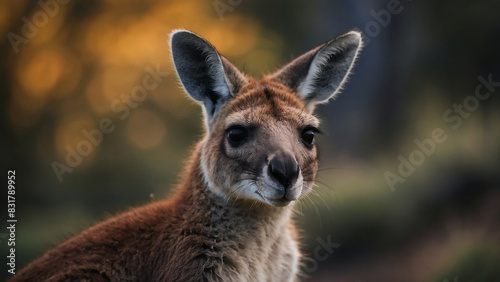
331	168
328	191
315	209
299	209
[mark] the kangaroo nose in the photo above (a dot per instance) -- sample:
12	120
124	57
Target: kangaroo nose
284	169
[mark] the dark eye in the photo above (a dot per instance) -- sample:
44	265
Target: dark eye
307	136
237	135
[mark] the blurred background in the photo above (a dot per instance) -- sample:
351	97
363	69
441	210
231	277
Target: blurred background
384	209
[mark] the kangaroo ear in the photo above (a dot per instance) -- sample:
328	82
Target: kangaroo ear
320	73
205	75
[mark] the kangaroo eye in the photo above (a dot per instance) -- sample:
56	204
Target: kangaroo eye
237	135
307	136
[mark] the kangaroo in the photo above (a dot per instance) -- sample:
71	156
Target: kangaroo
231	217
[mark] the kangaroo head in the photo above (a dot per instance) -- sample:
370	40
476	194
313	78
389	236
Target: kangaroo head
259	143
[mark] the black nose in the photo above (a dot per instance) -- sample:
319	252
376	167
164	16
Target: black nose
284	169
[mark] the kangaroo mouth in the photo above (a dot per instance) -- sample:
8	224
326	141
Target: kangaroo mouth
279	202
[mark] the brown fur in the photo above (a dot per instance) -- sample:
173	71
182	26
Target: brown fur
220	225
195	236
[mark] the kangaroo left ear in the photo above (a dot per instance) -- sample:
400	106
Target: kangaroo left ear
320	73
207	77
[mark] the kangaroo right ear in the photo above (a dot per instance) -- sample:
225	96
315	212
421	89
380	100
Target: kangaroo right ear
205	75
